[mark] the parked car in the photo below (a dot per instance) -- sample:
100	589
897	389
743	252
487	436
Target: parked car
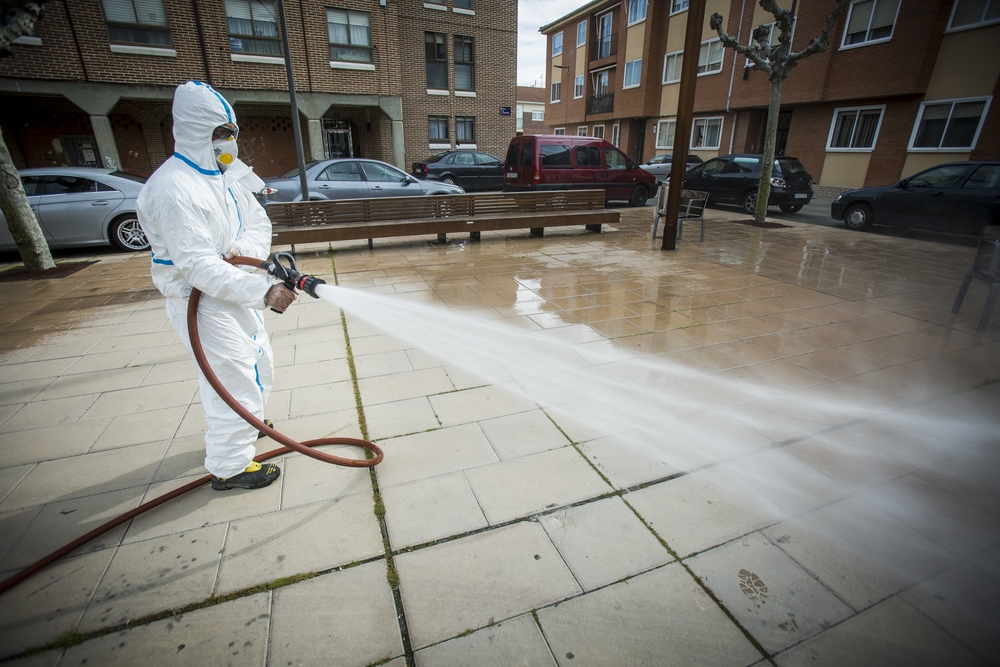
734	179
353	178
81	206
470	169
957	197
566	162
660	165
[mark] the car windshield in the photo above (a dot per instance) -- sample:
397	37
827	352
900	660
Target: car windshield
128	176
295	172
789	165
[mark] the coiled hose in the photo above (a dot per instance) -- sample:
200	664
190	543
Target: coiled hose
289	446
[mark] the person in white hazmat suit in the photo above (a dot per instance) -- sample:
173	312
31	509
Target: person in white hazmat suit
197	209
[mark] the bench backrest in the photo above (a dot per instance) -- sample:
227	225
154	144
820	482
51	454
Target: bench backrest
360	211
693	202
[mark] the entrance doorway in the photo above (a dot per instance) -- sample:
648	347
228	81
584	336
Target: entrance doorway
338	140
81	151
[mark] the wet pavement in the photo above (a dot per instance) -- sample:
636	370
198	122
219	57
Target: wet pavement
852	518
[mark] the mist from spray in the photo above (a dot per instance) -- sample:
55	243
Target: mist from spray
753	441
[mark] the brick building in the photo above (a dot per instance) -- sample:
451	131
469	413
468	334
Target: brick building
903	84
387	79
531	110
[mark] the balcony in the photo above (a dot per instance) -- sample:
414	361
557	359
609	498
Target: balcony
604	47
601	103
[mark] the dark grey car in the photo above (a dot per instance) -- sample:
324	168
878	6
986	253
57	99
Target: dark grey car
351	178
81	206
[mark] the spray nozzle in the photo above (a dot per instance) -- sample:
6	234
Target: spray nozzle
290	275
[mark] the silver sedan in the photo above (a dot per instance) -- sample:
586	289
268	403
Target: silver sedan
351	178
81	206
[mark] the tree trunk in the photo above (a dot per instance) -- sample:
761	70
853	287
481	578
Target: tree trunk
21	220
764	190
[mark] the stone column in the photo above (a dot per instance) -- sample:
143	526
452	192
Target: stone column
398	150
315	129
106	144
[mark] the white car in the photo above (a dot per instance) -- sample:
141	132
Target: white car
353	178
659	166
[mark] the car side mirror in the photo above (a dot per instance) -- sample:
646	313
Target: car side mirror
901	184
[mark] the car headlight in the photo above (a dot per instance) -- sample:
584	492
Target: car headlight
838	198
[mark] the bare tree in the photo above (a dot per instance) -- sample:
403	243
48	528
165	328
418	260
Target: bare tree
20	18
777	61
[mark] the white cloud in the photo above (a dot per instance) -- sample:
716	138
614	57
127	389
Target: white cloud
531	44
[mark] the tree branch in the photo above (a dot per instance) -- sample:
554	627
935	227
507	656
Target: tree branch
818	44
753	53
21	22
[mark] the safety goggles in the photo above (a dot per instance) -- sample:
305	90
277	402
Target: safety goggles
225	132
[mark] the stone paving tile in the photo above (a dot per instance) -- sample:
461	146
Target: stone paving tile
135	429
156	575
232	633
324	398
462	407
140	399
343	618
514	642
374	365
307	480
51	442
434	453
891	633
46	659
430	509
771	596
522	434
403	386
659	618
390	420
93	383
474	581
18	393
41	414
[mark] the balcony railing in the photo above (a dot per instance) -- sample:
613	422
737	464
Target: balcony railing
604	47
601	103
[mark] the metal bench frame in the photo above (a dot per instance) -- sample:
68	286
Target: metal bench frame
985	267
692	209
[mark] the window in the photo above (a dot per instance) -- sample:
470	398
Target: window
350	35
341	171
972	13
437	128
554	156
742	165
383	173
581	33
556	92
615	159
137	22
870	21
253	27
636	11
710	57
598	131
581	131
633	74
601	84
665	133
465	75
706	133
939	178
538	115
557	44
765	44
985	177
678	6
615	129
462	4
487	160
604	37
465	129
559	130
436	56
949	124
588	156
578	87
854	129
672	67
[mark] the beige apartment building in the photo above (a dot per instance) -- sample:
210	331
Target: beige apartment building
393	80
531	110
903	84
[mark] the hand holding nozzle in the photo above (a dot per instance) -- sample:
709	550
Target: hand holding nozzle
292	280
279	298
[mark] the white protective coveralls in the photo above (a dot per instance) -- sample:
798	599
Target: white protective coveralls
193	214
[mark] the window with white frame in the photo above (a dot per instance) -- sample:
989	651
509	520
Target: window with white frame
870	21
557	44
854	129
538	115
706	133
974	13
636	11
253	27
633	74
559	130
949	125
710	57
465	65
144	24
556	92
665	133
581	131
465	129
581	33
578	87
678	6
601	83
598	131
615	133
764	45
350	35
672	66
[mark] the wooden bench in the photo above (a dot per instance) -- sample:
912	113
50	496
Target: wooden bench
354	219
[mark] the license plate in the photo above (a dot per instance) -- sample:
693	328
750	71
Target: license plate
511	174
799	195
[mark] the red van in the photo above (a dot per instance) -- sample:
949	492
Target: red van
566	162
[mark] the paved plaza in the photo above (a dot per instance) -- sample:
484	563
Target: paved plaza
852	517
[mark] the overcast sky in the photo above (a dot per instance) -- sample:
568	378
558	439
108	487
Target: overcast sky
531	15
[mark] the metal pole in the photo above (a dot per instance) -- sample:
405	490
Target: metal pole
296	129
682	127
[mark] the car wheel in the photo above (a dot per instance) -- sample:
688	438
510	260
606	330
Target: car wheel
449	180
639	196
126	234
750	202
859	217
790	208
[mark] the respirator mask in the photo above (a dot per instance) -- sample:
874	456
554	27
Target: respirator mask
224	145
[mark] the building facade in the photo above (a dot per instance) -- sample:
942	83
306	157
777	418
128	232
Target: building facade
902	86
530	110
392	80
